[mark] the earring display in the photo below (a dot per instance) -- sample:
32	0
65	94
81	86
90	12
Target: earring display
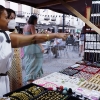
49	84
50	95
95	79
81	67
40	82
83	75
90	86
20	96
98	72
35	90
92	70
92	48
69	71
27	92
59	78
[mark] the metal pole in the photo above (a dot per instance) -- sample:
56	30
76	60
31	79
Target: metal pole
63	22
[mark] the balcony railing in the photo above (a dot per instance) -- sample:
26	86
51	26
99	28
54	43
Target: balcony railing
46	18
19	14
52	23
53	19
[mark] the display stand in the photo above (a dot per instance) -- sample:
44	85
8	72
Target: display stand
92	38
92	48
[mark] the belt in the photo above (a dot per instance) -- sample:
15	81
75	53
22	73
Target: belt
4	74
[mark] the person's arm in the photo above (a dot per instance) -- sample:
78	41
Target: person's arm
19	40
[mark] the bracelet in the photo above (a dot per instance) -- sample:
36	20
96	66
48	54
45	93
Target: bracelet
47	36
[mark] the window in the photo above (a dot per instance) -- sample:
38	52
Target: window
7	4
19	7
20	13
72	22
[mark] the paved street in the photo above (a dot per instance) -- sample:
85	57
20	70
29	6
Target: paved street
52	64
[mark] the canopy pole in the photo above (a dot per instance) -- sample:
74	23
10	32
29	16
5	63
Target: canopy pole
88	11
63	22
80	16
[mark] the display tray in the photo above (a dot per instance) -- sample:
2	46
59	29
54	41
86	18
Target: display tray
46	94
83	75
81	67
90	86
97	65
51	95
72	98
91	70
98	72
87	63
81	62
69	71
35	88
95	79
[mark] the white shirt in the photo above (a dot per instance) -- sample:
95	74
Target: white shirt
59	42
6	54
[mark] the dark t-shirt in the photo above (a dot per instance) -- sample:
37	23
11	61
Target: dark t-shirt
82	36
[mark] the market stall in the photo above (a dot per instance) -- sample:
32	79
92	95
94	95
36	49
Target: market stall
78	82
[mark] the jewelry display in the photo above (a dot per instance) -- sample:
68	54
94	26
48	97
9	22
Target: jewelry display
83	75
95	79
92	70
90	86
28	93
92	48
20	96
81	67
50	95
69	71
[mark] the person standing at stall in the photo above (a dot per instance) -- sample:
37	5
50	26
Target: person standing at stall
15	72
81	42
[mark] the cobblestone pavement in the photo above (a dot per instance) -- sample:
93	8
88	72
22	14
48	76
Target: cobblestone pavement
52	64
